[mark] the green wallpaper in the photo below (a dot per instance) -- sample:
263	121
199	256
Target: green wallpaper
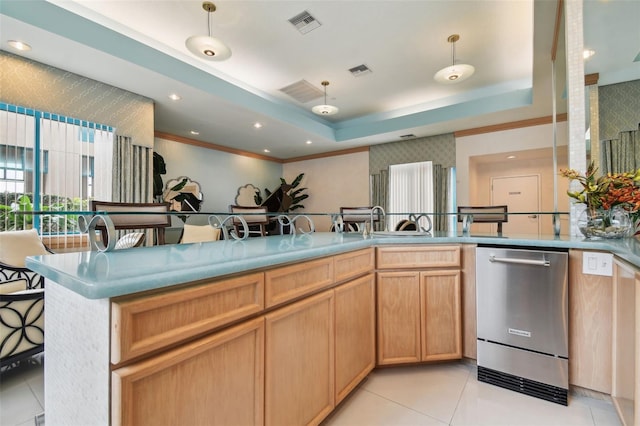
619	108
440	149
35	85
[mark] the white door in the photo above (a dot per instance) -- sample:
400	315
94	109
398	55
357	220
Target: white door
522	195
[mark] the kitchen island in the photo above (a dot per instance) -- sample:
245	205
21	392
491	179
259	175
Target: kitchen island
100	305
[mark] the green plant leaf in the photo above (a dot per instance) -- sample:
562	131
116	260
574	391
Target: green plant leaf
297	200
297	180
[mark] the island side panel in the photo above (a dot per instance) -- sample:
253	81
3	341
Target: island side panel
76	370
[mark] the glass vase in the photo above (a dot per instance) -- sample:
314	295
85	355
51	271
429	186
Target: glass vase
601	223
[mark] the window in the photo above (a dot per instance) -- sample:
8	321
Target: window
410	190
51	162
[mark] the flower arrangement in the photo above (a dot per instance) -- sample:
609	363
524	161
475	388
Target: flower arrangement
607	191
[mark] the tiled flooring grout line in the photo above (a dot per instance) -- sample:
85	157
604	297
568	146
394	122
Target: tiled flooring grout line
404	406
466	382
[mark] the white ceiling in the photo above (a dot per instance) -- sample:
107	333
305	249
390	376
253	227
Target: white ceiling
139	46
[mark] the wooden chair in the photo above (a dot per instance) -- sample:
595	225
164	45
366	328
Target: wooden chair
485	214
156	221
256	217
353	217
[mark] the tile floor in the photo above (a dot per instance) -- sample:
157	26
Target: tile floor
443	394
22	392
449	394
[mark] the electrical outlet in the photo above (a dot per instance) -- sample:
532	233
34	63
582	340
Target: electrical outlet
596	263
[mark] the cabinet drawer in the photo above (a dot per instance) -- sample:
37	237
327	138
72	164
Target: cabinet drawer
407	257
350	265
146	323
215	380
293	281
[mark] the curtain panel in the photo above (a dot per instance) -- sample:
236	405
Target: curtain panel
622	154
132	172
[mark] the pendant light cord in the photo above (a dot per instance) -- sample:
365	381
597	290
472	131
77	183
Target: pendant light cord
453	53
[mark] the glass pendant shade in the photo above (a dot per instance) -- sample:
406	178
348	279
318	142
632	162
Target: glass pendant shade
325	109
455	73
208	48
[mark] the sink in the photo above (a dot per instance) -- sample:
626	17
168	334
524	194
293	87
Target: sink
401	234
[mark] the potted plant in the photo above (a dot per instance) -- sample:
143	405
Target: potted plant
612	201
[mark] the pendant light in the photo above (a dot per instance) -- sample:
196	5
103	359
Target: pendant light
456	72
325	109
207	47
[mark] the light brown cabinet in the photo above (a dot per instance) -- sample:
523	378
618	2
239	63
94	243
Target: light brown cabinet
355	319
625	384
144	323
419	316
183	385
305	343
469	309
398	317
441	334
299	362
590	327
419	304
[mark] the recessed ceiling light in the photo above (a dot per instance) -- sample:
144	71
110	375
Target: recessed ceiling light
257	125
308	142
266	150
19	45
175	97
194	132
511	157
588	53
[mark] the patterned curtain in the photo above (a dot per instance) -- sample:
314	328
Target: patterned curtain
622	154
440	197
379	186
132	172
132	176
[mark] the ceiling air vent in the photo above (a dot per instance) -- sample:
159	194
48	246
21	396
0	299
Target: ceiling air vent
304	22
408	136
302	91
360	70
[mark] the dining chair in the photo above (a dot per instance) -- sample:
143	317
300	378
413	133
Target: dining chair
256	218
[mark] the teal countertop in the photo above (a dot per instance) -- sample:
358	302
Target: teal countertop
96	275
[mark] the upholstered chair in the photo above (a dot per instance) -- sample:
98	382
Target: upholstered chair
21	297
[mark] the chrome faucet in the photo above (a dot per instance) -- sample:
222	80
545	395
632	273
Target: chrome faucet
384	217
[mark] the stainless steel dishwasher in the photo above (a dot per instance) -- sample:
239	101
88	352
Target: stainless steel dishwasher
522	306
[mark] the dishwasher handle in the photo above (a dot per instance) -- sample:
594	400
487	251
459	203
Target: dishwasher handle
492	259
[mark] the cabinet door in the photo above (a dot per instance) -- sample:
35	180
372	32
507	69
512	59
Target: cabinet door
398	317
355	333
625	358
441	319
299	362
590	327
217	380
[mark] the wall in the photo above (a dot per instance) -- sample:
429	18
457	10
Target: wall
480	157
532	162
619	108
440	149
332	182
219	174
507	141
35	85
